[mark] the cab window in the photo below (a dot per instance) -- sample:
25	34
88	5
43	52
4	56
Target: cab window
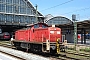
43	26
36	26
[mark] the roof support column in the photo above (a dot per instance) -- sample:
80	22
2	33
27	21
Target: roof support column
84	36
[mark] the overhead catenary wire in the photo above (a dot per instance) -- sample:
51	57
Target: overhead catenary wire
84	17
83	9
57	5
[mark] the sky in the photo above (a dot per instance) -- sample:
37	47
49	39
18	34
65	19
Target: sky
81	8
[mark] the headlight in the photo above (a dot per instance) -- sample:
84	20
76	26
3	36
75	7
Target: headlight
52	32
58	32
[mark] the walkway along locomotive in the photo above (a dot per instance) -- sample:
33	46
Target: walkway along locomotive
39	37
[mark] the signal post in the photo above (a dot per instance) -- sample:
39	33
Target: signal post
75	30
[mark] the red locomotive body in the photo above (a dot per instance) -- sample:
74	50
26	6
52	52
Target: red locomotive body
38	37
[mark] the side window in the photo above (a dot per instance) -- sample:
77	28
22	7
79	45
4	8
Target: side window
36	26
43	26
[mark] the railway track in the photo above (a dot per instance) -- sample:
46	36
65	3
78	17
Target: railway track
6	44
68	55
75	56
79	53
16	57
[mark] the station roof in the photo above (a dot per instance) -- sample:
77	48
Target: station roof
58	20
82	25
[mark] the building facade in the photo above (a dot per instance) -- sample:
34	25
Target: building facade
18	12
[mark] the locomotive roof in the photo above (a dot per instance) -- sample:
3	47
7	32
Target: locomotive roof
37	23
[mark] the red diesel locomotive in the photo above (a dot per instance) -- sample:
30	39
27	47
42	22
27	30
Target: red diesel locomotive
39	37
